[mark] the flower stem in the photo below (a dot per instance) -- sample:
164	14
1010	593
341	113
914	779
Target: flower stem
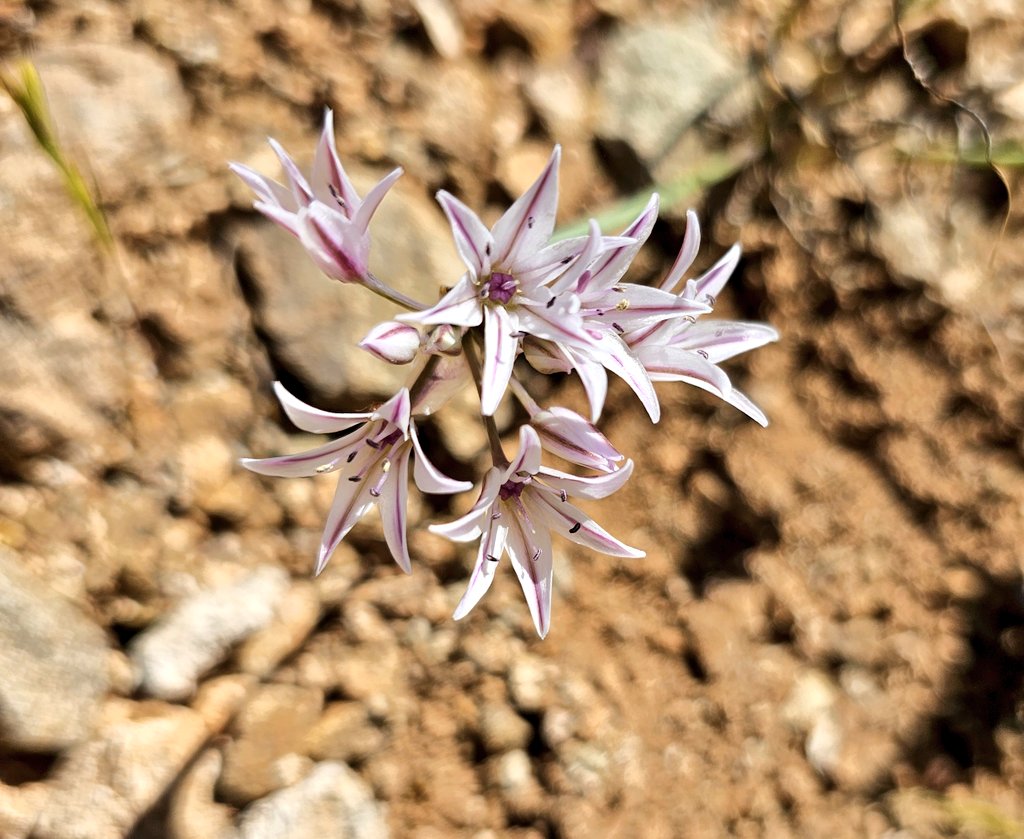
469	347
520	392
388	293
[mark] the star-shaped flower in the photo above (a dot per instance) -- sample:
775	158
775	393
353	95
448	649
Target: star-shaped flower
518	509
325	212
373	460
514	279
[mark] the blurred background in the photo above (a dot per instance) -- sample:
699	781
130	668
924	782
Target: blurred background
826	636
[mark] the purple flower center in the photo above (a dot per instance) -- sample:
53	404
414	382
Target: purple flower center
500	287
511	489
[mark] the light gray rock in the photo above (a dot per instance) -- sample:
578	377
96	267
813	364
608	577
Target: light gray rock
656	78
331	801
102	787
53	661
121	108
198	633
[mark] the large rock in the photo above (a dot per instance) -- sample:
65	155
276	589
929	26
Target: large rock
198	633
658	78
53	661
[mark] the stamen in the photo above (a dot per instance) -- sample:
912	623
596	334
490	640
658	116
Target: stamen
575	528
492	559
550	303
529	222
618	328
563	495
703	354
324	467
622	305
336	197
351	456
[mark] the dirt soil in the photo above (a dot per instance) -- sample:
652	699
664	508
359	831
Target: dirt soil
826	637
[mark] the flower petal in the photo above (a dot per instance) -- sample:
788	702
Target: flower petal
595	383
527	459
670	364
530	552
500	349
491	546
337	247
612	264
527	225
361	219
711	282
472	238
296	180
459	307
723	339
428	477
351	500
313	419
267	190
577	526
325	458
619	359
568	435
687	253
546	356
393	502
586	252
559	322
469	526
328	172
740	400
630	307
279	215
396	411
391	341
597	486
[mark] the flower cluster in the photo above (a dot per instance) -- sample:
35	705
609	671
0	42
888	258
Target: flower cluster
561	304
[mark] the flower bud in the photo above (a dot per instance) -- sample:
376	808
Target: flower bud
568	435
396	343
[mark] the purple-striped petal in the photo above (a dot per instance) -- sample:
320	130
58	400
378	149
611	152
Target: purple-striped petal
740	400
530	552
351	500
296	180
396	411
711	282
428	477
469	526
614	262
527	459
362	217
312	419
393	502
329	174
337	247
391	341
597	486
723	339
558	322
528	224
629	307
687	253
267	190
500	348
491	546
568	435
575	525
459	307
669	364
614	355
279	215
325	458
472	238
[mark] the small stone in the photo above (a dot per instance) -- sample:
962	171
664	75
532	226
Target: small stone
331	801
296	616
528	683
193	812
502	729
344	732
54	663
271	725
198	633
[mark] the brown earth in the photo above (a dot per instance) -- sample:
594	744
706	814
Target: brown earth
827	633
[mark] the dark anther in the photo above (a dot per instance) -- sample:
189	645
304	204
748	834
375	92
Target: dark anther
355	479
529	222
338	198
487	249
567	260
618	328
351	457
618	289
492	559
703	354
564	495
550	303
575	527
375	493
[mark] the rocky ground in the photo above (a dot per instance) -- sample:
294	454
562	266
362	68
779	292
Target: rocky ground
827	634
